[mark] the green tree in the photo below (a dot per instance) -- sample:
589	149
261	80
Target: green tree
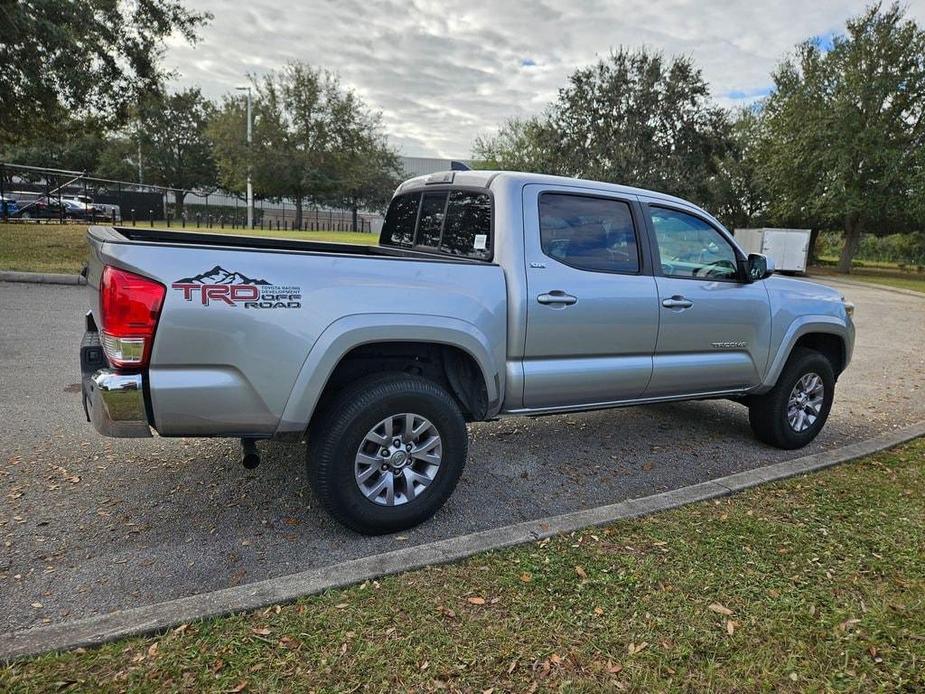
844	129
738	191
365	169
176	150
73	144
82	56
310	136
118	159
633	118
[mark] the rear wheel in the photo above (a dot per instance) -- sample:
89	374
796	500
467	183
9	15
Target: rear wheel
387	452
793	412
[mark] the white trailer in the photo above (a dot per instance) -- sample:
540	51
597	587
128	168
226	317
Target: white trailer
788	248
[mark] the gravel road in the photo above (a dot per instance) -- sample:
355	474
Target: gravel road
91	525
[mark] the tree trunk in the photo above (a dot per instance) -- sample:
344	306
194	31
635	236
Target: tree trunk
354	223
852	241
811	258
178	197
298	213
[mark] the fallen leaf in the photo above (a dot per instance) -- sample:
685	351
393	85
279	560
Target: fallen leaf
598	611
340	606
263	631
240	687
37	605
720	609
847	624
633	649
614	668
288	642
525	577
730	627
581	572
152	650
476	600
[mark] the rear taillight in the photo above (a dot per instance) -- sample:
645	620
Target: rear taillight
130	305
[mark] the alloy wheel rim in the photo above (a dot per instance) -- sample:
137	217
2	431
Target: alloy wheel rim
398	459
805	402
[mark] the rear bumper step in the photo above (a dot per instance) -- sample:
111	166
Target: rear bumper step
115	404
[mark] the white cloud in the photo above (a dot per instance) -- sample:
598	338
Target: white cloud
444	73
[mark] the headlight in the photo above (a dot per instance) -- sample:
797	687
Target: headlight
849	307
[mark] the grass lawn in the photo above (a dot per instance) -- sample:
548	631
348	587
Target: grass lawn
892	279
63	247
814	583
882	273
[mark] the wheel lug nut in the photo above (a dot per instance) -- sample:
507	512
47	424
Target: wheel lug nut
384	452
409	447
397	443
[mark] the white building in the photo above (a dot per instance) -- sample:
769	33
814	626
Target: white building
419	166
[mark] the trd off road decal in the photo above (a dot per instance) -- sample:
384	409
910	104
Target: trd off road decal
222	286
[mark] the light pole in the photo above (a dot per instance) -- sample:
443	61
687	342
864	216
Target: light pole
250	189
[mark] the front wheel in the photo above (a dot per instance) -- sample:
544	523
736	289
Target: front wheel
387	452
793	412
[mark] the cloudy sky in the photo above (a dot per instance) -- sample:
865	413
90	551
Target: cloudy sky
442	73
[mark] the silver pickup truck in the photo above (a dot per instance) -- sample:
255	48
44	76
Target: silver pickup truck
488	294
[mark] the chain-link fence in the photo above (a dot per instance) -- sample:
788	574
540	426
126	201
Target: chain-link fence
32	194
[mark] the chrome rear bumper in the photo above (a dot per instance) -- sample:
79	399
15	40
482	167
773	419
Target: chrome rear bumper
115	404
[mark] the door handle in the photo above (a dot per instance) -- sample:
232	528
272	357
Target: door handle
557	296
677	301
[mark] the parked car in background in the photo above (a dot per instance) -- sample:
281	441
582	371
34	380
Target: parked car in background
97	210
8	206
78	210
490	293
33	205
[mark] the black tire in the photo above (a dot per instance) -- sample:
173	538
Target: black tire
767	413
335	437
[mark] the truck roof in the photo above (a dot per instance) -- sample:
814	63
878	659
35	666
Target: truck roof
479	178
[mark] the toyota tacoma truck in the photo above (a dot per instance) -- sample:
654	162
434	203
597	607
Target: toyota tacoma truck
488	294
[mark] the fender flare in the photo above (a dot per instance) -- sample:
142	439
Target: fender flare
355	330
804	325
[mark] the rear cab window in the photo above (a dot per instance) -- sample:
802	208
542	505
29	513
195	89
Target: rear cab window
456	222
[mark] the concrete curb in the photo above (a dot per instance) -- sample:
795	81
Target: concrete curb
41	277
94	631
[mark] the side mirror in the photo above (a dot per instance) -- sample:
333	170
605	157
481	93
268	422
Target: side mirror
759	267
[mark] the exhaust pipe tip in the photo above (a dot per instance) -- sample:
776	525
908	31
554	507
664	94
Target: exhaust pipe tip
250	457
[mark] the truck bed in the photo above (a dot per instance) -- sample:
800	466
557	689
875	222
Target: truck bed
124	234
251	327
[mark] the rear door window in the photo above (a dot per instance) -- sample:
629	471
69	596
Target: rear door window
588	233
